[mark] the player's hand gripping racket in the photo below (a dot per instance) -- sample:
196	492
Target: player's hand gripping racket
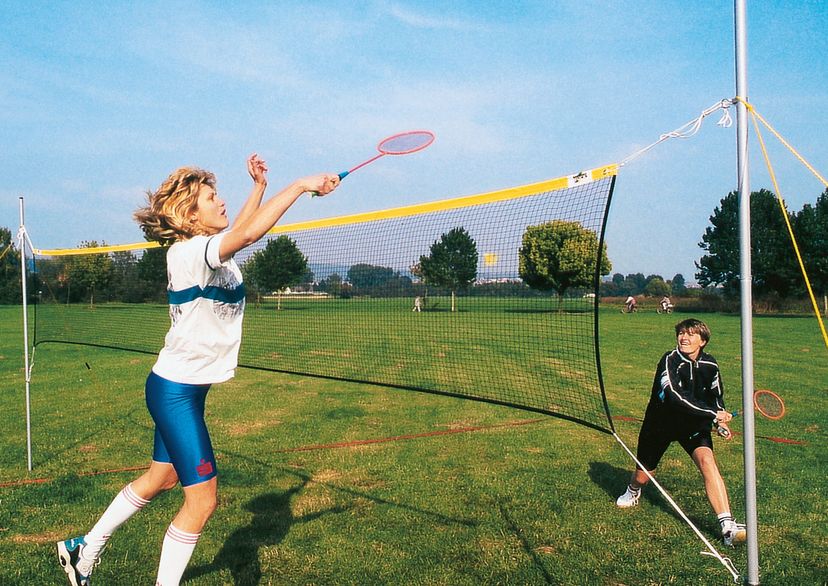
403	143
766	402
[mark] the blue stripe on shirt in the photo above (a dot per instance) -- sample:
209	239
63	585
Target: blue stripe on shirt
209	292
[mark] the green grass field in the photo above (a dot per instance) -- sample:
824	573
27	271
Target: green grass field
329	482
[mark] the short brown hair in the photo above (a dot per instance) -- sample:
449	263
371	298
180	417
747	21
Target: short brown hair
694	326
166	217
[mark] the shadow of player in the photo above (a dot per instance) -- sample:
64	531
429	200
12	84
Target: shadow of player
272	519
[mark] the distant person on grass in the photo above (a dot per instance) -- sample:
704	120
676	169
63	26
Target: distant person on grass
686	401
630	303
206	297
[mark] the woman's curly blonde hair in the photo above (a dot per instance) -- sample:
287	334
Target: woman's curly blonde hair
167	216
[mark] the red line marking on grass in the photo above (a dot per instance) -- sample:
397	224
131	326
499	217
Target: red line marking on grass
27	481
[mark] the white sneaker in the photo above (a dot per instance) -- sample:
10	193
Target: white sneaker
69	554
629	498
733	532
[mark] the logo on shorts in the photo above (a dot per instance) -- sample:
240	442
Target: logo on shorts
204	468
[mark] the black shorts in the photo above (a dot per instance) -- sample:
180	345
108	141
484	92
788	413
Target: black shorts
655	437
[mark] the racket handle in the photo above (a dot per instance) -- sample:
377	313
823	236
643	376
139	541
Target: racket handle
723	431
342	176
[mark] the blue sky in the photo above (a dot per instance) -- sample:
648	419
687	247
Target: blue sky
99	104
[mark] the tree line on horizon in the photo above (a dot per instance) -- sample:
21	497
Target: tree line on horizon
557	256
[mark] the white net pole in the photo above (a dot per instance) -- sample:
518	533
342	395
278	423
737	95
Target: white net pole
21	235
751	517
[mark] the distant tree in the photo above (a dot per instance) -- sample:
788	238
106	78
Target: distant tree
152	269
10	292
811	230
656	287
678	287
773	265
331	285
635	283
124	280
88	272
560	255
451	262
278	266
365	278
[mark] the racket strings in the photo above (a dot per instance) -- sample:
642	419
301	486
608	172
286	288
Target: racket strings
769	404
405	143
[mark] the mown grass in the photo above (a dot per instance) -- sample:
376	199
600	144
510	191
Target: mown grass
452	492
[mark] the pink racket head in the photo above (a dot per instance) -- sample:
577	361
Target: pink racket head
768	404
406	142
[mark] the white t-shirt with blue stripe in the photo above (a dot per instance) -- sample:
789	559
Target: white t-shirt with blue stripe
206	300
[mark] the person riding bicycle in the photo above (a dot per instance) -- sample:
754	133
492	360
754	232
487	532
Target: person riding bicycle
666	304
630	303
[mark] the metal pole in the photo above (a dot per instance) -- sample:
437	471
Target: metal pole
21	234
751	517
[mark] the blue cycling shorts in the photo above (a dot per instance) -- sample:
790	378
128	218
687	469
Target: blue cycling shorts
181	436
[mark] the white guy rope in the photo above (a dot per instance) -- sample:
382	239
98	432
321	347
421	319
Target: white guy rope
689	129
725	561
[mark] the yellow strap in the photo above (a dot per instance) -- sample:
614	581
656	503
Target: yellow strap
754	116
802	160
95	249
412	210
2	254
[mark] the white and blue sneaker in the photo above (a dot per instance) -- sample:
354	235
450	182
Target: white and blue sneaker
733	532
629	498
76	567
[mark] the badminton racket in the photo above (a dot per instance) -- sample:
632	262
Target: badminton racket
767	403
403	143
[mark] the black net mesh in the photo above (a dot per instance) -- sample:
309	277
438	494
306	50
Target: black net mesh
432	301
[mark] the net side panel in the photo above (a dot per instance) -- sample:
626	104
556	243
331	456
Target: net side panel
363	312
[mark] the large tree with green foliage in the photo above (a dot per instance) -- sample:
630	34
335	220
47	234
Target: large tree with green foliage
773	261
10	292
560	255
451	263
278	266
811	230
678	286
89	272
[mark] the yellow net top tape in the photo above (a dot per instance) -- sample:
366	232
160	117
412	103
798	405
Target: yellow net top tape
399	212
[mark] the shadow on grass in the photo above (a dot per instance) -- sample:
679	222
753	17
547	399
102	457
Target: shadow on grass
531	552
613	480
272	519
345	490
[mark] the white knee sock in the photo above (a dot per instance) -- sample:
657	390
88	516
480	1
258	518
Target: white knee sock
175	555
122	507
725	519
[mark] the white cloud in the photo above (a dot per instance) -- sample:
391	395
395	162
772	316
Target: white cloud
429	21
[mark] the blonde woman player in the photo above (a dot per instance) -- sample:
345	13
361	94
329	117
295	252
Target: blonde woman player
206	297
